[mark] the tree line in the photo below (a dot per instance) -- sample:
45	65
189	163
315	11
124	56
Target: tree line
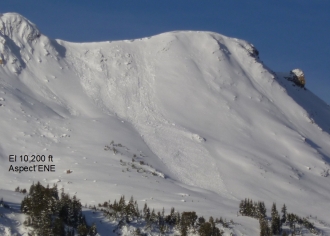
58	214
184	222
258	210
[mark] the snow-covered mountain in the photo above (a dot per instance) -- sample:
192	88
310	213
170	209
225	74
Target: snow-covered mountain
213	123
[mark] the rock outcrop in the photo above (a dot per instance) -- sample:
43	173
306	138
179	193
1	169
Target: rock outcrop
297	76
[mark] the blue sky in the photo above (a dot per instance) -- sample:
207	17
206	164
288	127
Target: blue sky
288	34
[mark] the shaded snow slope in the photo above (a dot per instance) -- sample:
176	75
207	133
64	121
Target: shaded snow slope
197	106
11	219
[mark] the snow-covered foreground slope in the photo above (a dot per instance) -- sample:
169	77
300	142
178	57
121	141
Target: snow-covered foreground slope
198	107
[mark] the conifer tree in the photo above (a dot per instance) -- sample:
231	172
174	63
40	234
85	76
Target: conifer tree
201	220
261	210
148	214
153	216
209	229
283	219
43	225
291	220
163	213
205	229
264	228
92	230
211	221
145	210
130	209
250	211
242	207
121	204
136	209
188	220
82	229
170	219
276	224
177	219
148	219
161	222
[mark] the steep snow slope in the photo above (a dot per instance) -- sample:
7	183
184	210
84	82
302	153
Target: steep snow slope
197	106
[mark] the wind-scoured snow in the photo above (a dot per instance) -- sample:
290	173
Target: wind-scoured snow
198	107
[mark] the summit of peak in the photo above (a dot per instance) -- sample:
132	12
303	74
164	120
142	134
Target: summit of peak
17	27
